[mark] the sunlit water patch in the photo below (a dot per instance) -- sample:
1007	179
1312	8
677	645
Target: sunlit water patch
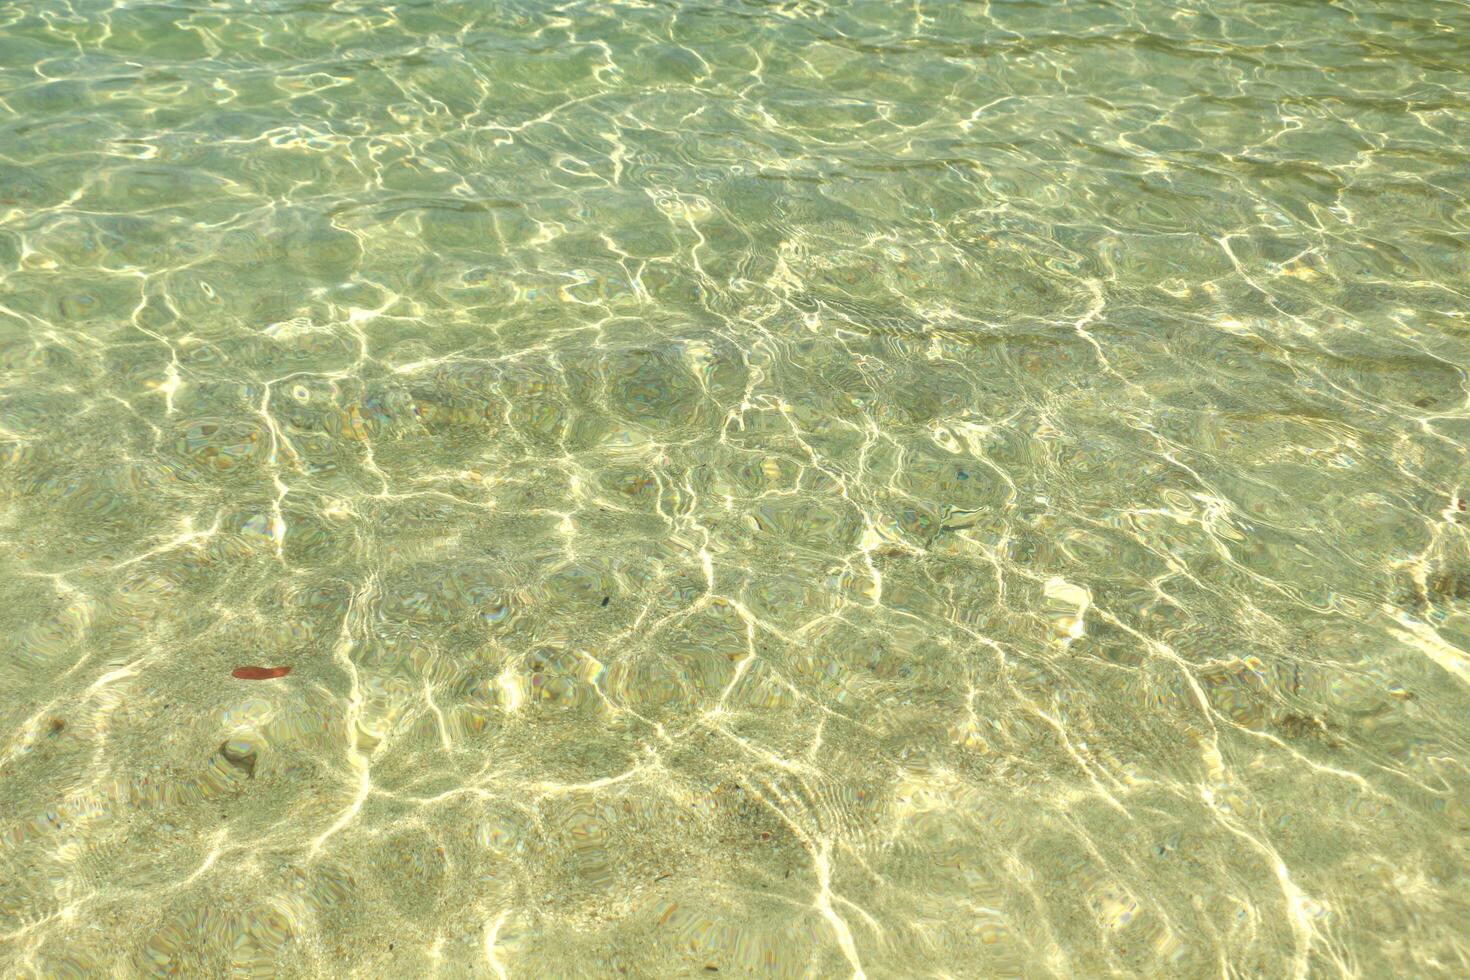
779	489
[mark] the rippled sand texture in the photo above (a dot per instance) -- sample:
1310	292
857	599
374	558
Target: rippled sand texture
791	489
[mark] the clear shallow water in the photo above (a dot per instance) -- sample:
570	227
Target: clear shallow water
935	489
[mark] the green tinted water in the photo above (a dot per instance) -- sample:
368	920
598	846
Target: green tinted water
792	489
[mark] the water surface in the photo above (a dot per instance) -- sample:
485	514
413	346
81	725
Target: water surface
787	489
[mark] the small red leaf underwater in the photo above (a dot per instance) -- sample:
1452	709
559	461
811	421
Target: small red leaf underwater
260	673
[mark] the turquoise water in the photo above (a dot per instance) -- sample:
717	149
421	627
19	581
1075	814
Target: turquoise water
779	489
